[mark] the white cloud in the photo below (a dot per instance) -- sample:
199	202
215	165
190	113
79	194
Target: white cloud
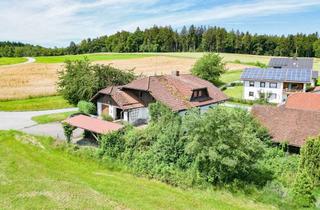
57	22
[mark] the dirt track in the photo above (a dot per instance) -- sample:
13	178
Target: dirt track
36	79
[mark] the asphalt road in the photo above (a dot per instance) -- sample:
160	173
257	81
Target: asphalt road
22	120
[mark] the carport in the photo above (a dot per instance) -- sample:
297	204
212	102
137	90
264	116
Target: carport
93	125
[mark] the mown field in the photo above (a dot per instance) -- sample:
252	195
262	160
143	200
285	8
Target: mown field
9	61
34	174
40	78
233	57
91	57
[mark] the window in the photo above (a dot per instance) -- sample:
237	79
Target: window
272	85
251	94
262	84
140	94
273	96
202	93
251	84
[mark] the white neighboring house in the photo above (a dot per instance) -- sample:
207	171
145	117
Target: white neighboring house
179	92
275	84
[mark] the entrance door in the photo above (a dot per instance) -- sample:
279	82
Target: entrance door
105	109
119	114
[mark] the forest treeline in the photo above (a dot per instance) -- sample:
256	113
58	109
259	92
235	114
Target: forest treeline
188	39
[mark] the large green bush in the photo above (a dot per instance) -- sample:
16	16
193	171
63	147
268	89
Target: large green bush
310	159
223	144
80	79
209	67
218	147
87	107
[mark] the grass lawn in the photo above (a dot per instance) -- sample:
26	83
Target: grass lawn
48	118
234	92
36	175
231	76
35	104
9	61
92	57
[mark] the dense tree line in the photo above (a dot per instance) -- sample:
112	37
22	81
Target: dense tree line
188	39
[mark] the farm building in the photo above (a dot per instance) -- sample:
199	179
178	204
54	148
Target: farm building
179	92
291	126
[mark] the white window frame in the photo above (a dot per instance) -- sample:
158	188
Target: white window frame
251	83
273	83
264	84
251	92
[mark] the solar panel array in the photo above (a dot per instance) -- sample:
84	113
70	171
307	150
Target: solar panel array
281	75
303	63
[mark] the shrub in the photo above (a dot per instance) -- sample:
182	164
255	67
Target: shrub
87	107
80	79
310	159
218	147
111	144
107	117
68	130
223	144
209	67
303	189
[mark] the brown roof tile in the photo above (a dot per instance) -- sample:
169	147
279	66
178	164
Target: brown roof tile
288	125
304	101
176	91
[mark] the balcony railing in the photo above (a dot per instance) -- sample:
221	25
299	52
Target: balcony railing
292	90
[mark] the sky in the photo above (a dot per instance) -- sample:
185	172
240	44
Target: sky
58	22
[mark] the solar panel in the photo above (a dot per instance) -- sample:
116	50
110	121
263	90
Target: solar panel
303	63
271	74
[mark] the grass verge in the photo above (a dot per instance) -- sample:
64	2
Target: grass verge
234	92
231	76
9	61
35	104
36	175
91	57
48	118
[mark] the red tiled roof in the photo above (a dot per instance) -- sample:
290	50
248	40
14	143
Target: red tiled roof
176	91
93	124
125	100
288	125
316	89
304	101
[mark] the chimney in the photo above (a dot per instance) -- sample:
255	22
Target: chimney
175	73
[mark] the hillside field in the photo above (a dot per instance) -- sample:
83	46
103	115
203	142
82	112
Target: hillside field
34	174
40	78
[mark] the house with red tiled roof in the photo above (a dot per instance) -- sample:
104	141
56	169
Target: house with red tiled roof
179	92
291	126
292	122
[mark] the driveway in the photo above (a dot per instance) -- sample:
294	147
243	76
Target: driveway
54	130
22	120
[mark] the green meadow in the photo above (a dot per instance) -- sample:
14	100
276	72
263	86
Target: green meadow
9	61
35	173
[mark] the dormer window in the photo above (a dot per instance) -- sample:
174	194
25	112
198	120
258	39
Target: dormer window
200	94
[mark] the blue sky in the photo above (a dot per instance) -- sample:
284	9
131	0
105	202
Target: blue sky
57	22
